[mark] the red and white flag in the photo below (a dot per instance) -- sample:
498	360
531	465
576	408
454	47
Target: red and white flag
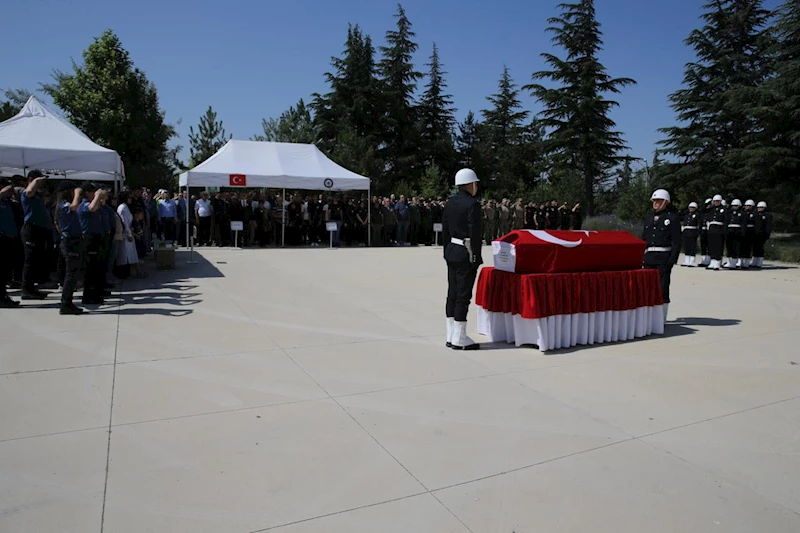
238	180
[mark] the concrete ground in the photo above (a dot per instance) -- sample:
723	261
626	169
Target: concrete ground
310	391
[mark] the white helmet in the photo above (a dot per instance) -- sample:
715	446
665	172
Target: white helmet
718	198
466	176
693	204
762	204
751	203
737	202
660	194
708	201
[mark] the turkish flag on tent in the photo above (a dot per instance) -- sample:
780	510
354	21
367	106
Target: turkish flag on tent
539	251
238	180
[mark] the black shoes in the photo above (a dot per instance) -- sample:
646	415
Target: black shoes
33	295
70	309
8	303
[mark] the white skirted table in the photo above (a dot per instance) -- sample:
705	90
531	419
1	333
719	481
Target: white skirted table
561	310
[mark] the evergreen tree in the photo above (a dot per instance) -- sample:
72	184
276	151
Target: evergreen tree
15	100
293	126
582	139
467	143
208	139
116	106
400	140
436	121
717	106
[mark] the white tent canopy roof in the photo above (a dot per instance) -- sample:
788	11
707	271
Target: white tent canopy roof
38	138
80	175
274	165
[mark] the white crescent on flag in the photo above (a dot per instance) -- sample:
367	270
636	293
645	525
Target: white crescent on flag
238	180
552	239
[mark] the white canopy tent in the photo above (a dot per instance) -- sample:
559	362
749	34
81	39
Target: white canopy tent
273	165
38	138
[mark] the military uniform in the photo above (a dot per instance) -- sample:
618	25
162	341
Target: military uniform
763	231
461	237
490	219
662	233
716	235
736	225
749	237
92	230
9	231
71	249
705	216
519	216
689	228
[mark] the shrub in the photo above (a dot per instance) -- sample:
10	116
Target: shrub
784	248
613	223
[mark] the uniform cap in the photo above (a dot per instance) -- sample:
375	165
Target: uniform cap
660	194
724	202
708	201
465	176
762	204
88	186
751	203
693	204
65	186
718	198
736	202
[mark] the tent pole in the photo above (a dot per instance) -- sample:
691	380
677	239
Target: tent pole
369	214
283	218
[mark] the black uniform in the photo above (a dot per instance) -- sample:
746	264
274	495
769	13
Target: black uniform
705	217
92	230
9	231
461	220
749	233
763	231
716	231
691	224
735	223
71	250
662	233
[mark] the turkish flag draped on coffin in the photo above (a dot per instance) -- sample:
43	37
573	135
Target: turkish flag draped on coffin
238	180
539	251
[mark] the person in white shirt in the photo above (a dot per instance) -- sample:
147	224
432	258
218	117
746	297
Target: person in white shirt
202	213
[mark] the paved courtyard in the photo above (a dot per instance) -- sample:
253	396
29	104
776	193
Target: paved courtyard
310	391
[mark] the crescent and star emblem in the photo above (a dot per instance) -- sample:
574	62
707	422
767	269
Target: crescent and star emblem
552	239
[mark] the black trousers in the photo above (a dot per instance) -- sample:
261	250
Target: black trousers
204	231
460	280
748	241
733	243
758	245
168	225
661	261
35	240
690	242
716	241
94	280
704	243
72	256
7	245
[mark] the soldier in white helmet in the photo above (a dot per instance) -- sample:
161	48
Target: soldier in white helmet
690	225
735	234
705	216
746	251
461	237
716	232
763	231
662	233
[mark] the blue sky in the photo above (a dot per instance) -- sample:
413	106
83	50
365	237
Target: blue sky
252	59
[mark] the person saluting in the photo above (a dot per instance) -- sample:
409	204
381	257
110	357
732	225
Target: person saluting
461	237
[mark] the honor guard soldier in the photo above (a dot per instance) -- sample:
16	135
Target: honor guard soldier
662	233
735	235
763	231
8	234
716	232
689	226
705	216
461	236
749	233
92	231
71	247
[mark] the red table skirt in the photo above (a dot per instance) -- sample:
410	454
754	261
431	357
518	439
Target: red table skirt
560	310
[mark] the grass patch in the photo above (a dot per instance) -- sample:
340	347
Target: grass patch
784	248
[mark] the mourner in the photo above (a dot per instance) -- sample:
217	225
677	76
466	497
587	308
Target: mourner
662	233
92	230
689	227
716	232
35	232
461	236
71	247
735	234
763	231
8	234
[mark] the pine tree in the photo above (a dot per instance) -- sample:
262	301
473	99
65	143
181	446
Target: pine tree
295	125
436	121
467	143
116	106
400	141
717	106
208	139
583	141
15	100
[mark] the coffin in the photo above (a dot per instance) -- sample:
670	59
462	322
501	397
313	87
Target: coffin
551	251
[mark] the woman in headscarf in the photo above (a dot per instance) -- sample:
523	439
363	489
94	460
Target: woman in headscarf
127	252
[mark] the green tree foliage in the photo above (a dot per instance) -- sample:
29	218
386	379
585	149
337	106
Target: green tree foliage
433	183
436	122
718	143
400	139
208	139
293	126
467	148
115	105
582	137
633	196
13	103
